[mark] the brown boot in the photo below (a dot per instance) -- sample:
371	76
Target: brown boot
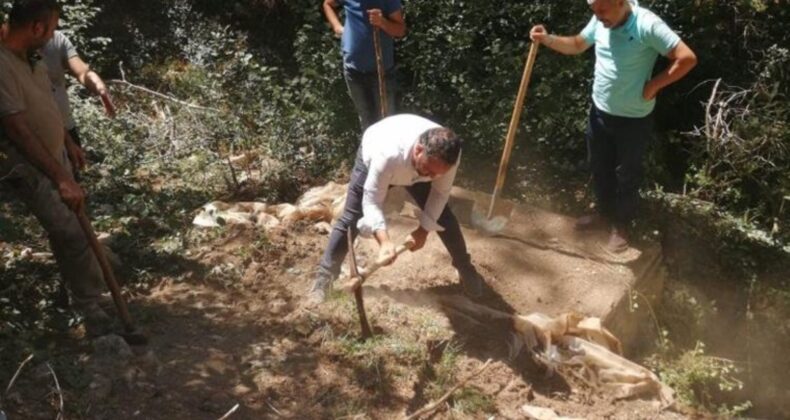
618	240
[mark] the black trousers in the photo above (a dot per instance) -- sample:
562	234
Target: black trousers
616	148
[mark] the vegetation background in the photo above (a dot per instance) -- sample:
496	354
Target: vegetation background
265	76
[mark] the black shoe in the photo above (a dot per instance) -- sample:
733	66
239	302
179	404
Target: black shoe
322	285
471	281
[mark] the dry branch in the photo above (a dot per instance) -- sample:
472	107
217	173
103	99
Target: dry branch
16	375
161	95
230	412
61	408
435	405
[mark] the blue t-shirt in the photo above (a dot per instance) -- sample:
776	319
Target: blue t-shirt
624	60
357	42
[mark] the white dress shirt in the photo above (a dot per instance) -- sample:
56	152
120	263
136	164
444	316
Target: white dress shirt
387	152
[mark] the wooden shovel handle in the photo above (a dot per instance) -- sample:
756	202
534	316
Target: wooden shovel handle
511	131
109	276
380	72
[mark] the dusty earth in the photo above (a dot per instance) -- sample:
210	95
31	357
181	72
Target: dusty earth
230	329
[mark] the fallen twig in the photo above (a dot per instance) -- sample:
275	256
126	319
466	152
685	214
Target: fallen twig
161	95
61	408
276	411
230	412
16	375
435	405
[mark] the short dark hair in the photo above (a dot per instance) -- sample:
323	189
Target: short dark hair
442	143
24	12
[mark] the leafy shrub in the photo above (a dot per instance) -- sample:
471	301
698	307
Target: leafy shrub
700	380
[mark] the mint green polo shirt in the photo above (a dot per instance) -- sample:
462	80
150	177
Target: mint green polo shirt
624	60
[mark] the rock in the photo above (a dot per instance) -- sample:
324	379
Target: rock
265	380
112	347
241	389
322	228
278	307
540	413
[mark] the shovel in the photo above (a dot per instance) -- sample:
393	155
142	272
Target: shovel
490	223
380	72
131	334
358	277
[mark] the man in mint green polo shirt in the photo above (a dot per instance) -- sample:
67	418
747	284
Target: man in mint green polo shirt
627	39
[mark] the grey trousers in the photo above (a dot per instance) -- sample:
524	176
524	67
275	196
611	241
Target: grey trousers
76	261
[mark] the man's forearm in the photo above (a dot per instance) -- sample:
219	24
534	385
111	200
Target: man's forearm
568	45
331	16
676	71
94	83
32	149
395	29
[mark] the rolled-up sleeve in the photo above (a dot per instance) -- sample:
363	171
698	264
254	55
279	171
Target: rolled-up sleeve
376	186
437	200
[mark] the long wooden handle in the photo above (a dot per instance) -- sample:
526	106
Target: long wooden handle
363	317
380	71
406	245
511	131
109	276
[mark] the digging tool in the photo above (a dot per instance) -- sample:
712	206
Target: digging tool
380	72
511	135
363	318
131	334
359	276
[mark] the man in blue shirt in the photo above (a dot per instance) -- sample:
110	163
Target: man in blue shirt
627	40
359	55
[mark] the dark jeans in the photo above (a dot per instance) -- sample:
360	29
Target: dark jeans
364	91
337	248
616	147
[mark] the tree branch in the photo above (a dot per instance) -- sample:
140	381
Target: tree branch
161	95
435	405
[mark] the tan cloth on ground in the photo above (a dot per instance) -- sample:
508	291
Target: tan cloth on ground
28	90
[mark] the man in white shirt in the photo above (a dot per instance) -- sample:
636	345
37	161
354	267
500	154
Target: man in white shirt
401	150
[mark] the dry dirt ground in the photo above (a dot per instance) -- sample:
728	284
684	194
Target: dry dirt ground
231	330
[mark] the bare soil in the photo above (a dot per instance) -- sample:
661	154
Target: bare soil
231	329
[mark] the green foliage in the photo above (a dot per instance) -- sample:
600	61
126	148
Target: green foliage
75	22
700	380
465	67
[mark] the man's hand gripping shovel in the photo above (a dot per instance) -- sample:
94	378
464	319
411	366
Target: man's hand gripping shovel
358	277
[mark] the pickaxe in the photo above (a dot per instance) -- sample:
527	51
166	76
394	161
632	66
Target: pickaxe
358	277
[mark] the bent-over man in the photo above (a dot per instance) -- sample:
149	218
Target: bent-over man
401	150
